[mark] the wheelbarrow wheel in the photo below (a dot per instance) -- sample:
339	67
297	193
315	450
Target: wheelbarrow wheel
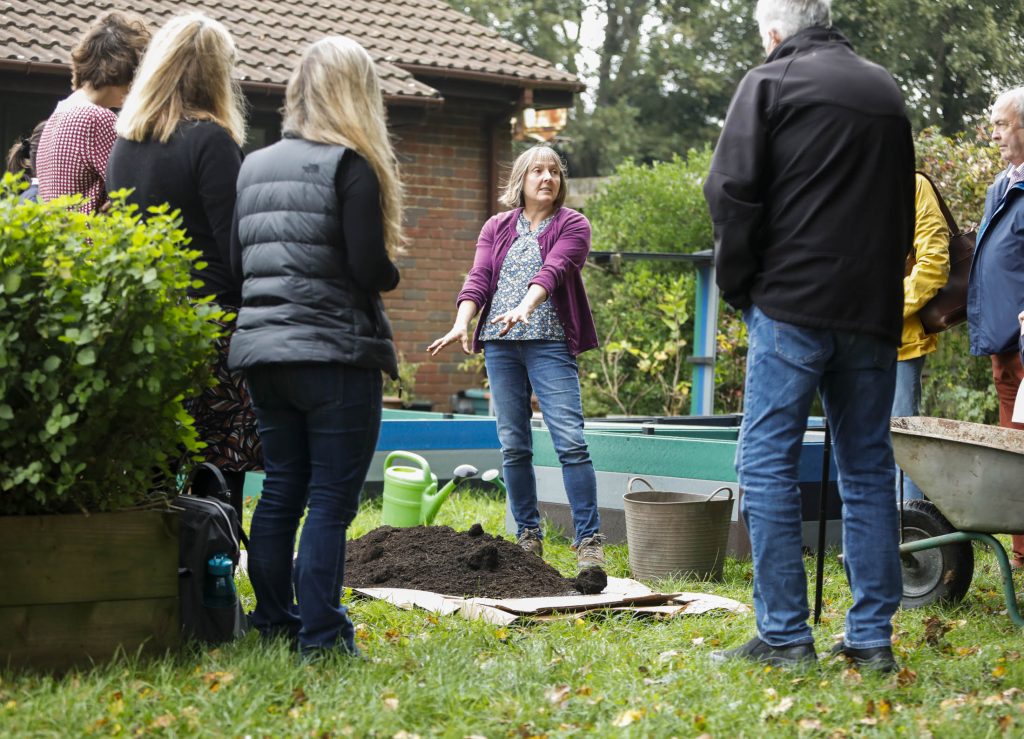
938	575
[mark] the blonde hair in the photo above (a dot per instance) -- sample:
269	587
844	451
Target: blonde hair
185	74
512	194
334	97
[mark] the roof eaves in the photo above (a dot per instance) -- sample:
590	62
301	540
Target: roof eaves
29	66
428	70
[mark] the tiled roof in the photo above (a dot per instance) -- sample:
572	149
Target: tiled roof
426	36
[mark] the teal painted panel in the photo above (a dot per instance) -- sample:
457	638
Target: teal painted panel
702	459
675	432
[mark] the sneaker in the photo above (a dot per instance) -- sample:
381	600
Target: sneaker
755	650
879	659
530	541
590	552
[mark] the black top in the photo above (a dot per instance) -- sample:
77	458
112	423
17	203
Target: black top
309	242
811	190
362	227
194	172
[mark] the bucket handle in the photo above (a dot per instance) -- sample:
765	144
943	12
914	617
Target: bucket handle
724	487
629	485
420	462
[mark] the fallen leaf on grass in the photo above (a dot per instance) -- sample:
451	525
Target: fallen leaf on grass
403	734
558	695
905	677
779	708
998	671
217	680
935	628
626	718
1005	722
390	701
162	722
851	675
960	700
698	641
502	634
810	724
966	651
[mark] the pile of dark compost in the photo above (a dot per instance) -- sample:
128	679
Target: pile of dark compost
462	563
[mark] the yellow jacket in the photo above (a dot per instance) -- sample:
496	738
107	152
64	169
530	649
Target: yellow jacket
928	270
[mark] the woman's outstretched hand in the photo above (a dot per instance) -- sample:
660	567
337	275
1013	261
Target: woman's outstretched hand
520	314
459	333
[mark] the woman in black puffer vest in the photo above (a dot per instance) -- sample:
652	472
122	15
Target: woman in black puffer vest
317	223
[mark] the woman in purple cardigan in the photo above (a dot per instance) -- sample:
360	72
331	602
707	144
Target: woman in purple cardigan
534	320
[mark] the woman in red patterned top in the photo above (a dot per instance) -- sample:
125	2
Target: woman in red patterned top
75	145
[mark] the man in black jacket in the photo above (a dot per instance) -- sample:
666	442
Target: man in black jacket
811	190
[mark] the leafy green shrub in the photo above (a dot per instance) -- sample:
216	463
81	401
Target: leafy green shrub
643	312
98	346
655	208
644	324
962	167
957	385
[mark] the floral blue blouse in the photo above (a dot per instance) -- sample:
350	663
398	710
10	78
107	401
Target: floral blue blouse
521	264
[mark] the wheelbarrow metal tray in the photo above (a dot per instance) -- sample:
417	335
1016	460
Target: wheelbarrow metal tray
973	473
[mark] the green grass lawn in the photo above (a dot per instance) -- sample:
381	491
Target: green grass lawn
600	675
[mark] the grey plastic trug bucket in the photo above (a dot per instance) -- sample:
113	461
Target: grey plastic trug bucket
675	534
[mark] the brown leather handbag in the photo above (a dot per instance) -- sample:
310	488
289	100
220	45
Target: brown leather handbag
949	306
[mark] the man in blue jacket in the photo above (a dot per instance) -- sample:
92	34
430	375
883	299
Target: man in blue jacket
811	191
995	293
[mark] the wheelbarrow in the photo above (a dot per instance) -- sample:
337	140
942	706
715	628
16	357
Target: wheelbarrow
973	476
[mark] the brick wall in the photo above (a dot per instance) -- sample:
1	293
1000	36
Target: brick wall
446	167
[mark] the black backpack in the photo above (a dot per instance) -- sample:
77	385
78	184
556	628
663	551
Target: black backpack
208	527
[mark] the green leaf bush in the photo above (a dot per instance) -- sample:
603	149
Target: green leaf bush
955	384
661	208
654	208
98	347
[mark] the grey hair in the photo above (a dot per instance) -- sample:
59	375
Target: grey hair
787	17
512	194
1014	98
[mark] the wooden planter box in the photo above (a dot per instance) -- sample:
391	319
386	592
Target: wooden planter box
76	588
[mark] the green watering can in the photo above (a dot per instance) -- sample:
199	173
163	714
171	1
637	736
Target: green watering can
411	497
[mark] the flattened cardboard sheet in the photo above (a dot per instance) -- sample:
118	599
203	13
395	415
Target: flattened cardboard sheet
621	594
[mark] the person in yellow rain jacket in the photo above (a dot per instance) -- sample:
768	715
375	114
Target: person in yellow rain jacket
927	272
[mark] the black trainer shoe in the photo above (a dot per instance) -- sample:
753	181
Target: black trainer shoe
755	650
879	659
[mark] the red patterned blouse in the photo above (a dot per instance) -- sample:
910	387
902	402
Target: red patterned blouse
73	152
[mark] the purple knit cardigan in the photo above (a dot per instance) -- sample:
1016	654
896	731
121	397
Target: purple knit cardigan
564	246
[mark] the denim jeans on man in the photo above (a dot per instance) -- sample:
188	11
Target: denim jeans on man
319	425
855	373
512	368
907	402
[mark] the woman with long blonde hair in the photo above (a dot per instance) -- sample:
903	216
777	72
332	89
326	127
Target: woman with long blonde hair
179	142
318	221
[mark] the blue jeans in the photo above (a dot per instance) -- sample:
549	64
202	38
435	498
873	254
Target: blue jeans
907	402
855	373
513	367
319	425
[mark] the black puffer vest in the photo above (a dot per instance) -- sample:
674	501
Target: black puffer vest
298	302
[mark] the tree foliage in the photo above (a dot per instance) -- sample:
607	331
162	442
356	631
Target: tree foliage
949	56
665	71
